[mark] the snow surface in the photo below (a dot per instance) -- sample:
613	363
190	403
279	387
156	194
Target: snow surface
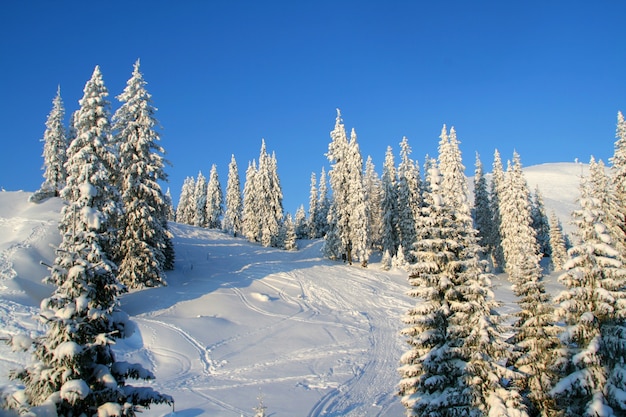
238	321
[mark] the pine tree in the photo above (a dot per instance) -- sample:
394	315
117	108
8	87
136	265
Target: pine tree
170	212
92	167
495	239
186	209
144	237
409	199
592	309
300	223
453	368
74	366
372	187
540	223
535	333
558	251
349	210
233	214
201	196
323	206
519	240
601	188
389	205
54	152
482	210
312	224
214	208
251	211
618	160
289	234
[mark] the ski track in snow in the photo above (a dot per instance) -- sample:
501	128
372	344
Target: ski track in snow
37	233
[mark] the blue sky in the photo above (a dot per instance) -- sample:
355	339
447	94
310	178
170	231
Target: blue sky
543	77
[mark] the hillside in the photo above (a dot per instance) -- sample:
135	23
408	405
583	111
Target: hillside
311	336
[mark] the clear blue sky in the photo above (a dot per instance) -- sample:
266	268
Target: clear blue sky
543	77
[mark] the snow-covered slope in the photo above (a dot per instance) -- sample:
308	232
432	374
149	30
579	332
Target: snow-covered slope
311	336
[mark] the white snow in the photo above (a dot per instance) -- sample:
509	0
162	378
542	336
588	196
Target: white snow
312	336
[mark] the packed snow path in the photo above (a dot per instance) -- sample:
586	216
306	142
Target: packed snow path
311	336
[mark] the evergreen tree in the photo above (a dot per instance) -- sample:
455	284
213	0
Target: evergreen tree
360	232
482	210
592	309
289	234
409	199
372	187
453	181
558	251
170	212
300	224
232	222
349	209
214	207
453	367
618	160
312	224
92	167
251	211
540	223
495	239
145	235
323	206
74	366
186	209
54	152
519	240
389	205
601	188
201	196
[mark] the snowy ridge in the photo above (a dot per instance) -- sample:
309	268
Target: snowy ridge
237	320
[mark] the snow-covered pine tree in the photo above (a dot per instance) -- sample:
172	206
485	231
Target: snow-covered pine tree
201	196
601	188
54	153
360	232
592	308
186	209
535	332
300	223
144	235
482	210
214	206
409	199
618	161
233	215
389	205
289	233
495	195
250	226
519	240
92	166
270	199
349	211
453	181
171	213
558	251
323	206
372	187
540	223
311	224
454	365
